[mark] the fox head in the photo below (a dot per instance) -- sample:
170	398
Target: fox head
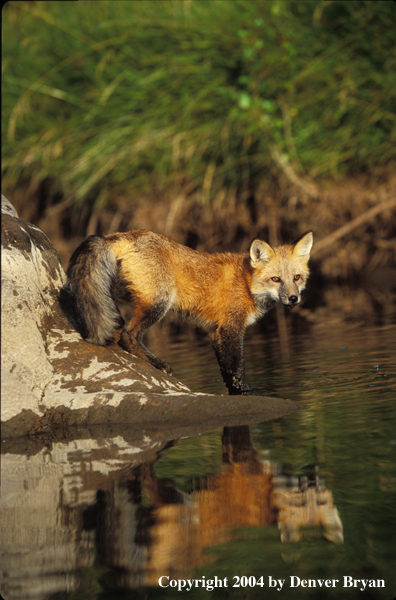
280	274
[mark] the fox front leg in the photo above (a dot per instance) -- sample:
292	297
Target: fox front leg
228	346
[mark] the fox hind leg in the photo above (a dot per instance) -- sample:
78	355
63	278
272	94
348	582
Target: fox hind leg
132	335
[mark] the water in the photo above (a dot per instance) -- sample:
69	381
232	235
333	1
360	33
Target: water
300	500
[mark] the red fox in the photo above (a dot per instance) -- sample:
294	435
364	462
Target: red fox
226	292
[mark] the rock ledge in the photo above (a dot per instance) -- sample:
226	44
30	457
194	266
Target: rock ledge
52	379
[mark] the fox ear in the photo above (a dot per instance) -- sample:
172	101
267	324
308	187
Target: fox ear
260	251
302	246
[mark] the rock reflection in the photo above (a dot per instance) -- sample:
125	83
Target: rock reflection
47	509
89	502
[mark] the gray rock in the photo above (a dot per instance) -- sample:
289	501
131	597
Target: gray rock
7	208
31	277
52	379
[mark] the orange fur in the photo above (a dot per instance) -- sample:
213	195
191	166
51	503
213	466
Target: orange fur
225	292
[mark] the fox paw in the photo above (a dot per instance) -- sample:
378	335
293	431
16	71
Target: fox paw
163	366
240	388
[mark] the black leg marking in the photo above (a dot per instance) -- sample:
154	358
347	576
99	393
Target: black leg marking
132	336
228	346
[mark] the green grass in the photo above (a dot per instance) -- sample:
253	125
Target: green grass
103	99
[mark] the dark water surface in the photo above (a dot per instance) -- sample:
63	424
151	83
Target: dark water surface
291	502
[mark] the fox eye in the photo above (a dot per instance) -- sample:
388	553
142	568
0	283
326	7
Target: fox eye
276	279
297	277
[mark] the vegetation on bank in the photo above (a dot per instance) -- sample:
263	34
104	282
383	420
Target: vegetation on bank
205	120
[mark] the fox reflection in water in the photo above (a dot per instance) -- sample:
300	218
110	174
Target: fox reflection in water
174	532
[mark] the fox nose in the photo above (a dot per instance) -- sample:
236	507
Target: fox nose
293	299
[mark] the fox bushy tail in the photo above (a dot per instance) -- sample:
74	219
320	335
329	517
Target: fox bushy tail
87	296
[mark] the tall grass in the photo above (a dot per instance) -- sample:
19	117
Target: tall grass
112	98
